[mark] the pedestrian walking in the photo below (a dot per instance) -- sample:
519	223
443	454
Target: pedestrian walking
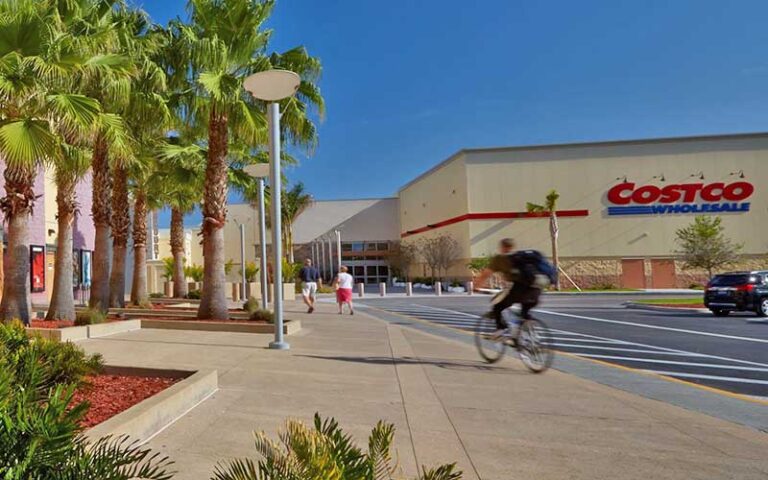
309	276
343	285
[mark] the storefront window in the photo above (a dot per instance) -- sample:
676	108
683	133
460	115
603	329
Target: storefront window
357	246
383	247
346	247
370	247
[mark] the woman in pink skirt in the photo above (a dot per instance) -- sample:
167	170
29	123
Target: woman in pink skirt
343	285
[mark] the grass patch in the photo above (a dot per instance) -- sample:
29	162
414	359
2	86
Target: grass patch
672	301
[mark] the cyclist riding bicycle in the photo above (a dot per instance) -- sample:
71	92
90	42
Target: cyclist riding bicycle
526	272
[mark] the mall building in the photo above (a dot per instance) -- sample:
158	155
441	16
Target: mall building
620	204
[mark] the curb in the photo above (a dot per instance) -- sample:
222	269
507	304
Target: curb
146	419
289	327
660	308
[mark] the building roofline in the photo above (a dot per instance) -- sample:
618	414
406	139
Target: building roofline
602	143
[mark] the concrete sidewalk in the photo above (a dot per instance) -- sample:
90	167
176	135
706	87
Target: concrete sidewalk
497	422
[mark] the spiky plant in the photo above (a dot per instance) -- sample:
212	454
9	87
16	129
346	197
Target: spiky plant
323	452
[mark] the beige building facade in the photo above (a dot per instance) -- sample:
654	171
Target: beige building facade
619	208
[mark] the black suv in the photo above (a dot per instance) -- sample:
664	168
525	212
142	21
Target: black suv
738	291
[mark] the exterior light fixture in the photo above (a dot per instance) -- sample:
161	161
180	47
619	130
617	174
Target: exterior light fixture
739	173
622	178
700	175
272	86
660	178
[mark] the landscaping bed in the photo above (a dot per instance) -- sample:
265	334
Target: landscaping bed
177	318
694	302
109	395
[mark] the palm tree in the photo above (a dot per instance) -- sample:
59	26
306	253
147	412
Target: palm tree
112	87
38	113
550	207
295	202
180	179
225	43
73	167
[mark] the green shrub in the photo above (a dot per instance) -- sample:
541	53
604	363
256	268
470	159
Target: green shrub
65	362
328	452
262	315
156	295
91	316
325	289
194	294
41	436
251	271
251	305
604	286
195	272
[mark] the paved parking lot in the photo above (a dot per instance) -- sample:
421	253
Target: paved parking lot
730	353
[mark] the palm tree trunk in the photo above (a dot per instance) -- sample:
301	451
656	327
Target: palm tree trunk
121	231
213	303
555	258
139	295
2	262
177	249
101	211
17	208
63	298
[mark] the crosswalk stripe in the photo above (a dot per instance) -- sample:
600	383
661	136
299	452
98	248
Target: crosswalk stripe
672	362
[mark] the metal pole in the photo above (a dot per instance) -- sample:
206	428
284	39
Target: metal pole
338	250
330	258
273	115
263	246
242	261
321	263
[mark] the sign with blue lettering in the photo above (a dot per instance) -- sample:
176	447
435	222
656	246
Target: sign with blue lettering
679	199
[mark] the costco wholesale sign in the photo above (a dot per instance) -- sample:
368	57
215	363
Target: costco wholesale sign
716	197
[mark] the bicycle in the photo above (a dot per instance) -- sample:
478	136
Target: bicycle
531	339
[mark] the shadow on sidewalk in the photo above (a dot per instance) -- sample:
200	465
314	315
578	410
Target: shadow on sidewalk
449	365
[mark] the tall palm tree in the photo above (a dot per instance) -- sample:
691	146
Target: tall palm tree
37	116
295	202
68	172
550	208
148	116
112	87
225	43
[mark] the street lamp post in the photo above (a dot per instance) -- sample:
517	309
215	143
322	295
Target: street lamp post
263	240
330	257
243	286
273	86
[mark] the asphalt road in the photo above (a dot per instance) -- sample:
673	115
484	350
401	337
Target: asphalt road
725	353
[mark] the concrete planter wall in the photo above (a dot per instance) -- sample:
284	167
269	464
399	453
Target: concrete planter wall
104	329
146	419
289	327
69	334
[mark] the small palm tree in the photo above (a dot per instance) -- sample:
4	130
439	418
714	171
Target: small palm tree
550	207
295	202
325	452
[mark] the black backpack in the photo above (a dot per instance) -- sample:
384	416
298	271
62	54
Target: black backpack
531	263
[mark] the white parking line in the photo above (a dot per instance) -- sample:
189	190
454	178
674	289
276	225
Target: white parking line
672	362
617	349
655	327
708	377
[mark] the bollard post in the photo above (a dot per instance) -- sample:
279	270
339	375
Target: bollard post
361	289
168	289
408	289
470	288
438	289
235	292
383	289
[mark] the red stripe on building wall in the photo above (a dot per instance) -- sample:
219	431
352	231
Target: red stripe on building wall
493	216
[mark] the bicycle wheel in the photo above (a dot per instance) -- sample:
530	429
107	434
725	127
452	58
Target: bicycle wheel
490	348
534	345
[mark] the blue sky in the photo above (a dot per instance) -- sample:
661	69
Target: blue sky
408	83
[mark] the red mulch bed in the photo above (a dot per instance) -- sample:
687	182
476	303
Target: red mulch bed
191	319
51	323
160	306
109	395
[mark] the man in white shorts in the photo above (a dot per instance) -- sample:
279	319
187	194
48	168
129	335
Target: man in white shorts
309	276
